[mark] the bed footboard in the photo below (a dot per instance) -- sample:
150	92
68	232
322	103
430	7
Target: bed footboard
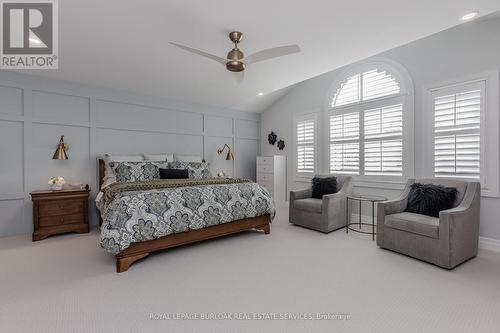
137	251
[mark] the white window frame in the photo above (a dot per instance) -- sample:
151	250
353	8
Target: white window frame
405	97
489	127
297	117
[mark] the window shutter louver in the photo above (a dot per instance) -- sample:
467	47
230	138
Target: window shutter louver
384	141
344	143
348	92
379	84
305	146
365	86
457	138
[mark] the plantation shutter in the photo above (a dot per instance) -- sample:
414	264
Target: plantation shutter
383	145
457	131
344	143
368	85
305	146
377	83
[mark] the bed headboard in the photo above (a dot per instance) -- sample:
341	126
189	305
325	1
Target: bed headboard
101	173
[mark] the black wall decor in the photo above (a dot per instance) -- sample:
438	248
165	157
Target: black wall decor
272	138
281	145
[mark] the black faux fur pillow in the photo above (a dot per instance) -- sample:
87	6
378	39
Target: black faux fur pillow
428	199
322	186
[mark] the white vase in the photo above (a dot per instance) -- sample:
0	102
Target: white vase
56	187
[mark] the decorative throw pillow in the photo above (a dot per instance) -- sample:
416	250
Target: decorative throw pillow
196	170
323	186
109	175
429	199
174	173
137	171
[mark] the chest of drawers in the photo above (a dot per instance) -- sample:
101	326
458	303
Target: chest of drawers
57	212
271	174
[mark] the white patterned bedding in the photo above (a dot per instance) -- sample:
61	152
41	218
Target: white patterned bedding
131	214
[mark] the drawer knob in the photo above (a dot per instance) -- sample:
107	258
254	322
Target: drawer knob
62	219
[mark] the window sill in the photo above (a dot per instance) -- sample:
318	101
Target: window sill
302	179
388	185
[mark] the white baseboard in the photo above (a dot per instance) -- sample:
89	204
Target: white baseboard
485	243
490	244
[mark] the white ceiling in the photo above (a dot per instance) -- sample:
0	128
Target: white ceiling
122	44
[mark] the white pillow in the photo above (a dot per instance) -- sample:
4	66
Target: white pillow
187	158
159	157
109	175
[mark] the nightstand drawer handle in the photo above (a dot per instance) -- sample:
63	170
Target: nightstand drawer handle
62	219
60	207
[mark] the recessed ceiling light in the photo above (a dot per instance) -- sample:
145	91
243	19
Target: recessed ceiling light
260	94
469	16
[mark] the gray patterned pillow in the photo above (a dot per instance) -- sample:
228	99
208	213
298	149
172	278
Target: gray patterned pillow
196	170
137	171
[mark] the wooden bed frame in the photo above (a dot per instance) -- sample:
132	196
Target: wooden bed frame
137	251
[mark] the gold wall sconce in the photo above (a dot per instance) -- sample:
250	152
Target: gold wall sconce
61	149
229	156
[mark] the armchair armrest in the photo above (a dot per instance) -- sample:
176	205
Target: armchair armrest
389	207
459	226
302	194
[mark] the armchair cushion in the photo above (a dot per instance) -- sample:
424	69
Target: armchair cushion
309	204
414	223
430	199
322	186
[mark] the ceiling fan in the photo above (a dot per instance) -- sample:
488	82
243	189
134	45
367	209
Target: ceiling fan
236	60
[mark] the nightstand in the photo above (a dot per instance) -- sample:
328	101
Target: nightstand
57	212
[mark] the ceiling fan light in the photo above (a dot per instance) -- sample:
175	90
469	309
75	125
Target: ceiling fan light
235	66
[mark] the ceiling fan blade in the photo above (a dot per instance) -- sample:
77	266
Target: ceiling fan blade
271	53
199	52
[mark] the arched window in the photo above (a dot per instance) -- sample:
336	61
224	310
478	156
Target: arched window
370	115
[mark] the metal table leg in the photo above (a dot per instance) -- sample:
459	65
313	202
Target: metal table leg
359	214
347	215
373	220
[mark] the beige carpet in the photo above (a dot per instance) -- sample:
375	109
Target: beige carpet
68	284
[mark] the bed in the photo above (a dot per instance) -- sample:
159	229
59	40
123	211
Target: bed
138	218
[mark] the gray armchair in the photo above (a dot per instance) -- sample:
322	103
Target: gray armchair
446	241
325	214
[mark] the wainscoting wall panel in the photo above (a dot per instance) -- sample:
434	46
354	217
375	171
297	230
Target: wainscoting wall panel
141	141
35	112
247	129
245	163
12	100
219	126
11	148
128	115
60	107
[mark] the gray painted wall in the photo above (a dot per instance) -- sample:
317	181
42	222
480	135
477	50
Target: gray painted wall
34	112
464	50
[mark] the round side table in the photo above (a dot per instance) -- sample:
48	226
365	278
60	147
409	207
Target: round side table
366	198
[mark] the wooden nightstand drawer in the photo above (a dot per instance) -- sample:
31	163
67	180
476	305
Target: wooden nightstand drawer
58	220
63	207
57	212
